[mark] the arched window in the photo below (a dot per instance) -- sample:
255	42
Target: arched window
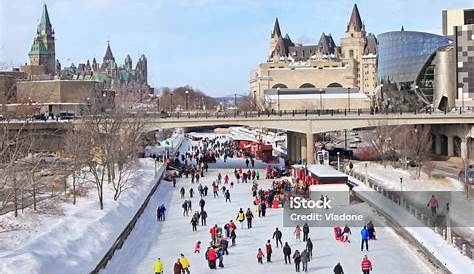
279	86
307	85
334	85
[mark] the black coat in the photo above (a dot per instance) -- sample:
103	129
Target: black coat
338	269
287	250
277	234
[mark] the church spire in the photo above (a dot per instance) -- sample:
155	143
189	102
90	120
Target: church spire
355	23
45	22
276	29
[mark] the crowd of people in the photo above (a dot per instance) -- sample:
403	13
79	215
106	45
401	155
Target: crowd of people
194	165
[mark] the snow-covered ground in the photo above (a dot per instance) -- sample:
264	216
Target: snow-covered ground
171	144
68	238
151	239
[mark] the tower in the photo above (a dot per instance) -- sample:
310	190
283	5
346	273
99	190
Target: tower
128	63
353	44
43	52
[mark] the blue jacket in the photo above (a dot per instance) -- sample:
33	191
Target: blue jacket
263	206
364	233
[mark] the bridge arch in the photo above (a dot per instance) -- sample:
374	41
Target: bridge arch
335	85
307	85
279	85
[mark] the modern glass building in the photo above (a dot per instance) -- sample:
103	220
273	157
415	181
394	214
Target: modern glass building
405	68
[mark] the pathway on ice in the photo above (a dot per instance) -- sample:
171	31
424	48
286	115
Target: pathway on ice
151	239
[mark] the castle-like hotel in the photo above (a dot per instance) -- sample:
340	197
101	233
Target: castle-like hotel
322	71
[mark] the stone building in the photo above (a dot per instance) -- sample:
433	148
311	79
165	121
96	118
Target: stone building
321	68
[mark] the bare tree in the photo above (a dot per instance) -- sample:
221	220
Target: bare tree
380	139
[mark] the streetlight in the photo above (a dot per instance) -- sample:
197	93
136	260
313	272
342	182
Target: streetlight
320	99
187	95
278	99
349	99
338	161
401	191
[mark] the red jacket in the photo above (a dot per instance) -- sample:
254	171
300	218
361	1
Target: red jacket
366	265
268	247
211	255
260	254
213	231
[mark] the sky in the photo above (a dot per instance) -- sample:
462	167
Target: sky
212	45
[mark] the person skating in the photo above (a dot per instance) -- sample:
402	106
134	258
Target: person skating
287	253
364	233
213	232
190	205
158	214
241	217
215	189
433	204
225	246
366	265
297	260
205	190
220	257
185	208
252	162
338	269
182	191
202	203
249	216
203	218
197	247
174	181
233	236
297	232
371	230
247	162
304	260
211	258
227	196
177	267
277	236
309	247
260	256
158	266
191	192
219	178
185	264
268	249
263	208
194	222
258	175
305	232
162	212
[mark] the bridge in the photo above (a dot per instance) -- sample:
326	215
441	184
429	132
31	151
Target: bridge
301	126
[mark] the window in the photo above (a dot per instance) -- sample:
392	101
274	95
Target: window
351	53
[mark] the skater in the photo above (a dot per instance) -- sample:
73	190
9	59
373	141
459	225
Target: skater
233	236
190	206
277	236
182	191
366	265
338	269
220	257
227	196
184	264
202	203
297	232
297	260
191	192
268	248
211	258
213	232
226	179
364	233
247	162
174	181
371	229
158	214
263	208
433	204
305	260
252	162
309	247
185	208
194	222
177	267
258	175
158	266
287	253
260	256
305	232
205	190
225	245
203	218
197	247
249	216
241	218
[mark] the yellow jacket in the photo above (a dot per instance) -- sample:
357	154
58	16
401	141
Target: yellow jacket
184	262
158	267
241	216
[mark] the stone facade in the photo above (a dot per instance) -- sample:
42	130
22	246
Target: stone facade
292	66
464	40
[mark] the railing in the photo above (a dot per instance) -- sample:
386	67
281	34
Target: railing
305	112
446	232
128	229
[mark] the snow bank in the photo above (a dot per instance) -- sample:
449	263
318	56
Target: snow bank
447	254
159	150
73	240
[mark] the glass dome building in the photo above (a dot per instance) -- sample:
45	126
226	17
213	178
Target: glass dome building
406	68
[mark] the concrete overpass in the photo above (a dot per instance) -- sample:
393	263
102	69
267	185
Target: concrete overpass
302	127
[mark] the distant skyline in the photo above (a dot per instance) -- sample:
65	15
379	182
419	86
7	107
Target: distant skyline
212	45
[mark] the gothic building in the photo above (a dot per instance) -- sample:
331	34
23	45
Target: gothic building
292	66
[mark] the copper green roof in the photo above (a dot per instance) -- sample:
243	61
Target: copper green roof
45	17
38	48
101	77
123	74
